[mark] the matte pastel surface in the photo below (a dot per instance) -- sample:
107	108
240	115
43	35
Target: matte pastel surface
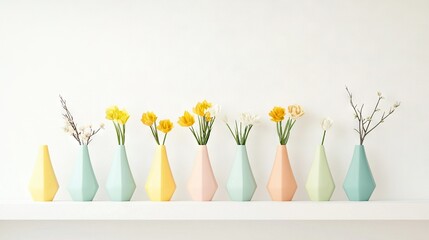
120	184
83	184
160	185
43	182
202	184
282	185
320	184
359	183
241	183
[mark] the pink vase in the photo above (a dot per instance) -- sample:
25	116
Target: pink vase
202	184
282	185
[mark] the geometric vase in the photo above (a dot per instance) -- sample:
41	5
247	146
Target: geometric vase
202	183
160	185
120	184
359	182
320	184
43	183
83	185
282	185
241	183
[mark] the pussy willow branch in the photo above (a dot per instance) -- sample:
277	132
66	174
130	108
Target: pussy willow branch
364	124
68	116
93	132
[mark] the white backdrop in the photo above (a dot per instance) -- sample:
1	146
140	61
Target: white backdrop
164	56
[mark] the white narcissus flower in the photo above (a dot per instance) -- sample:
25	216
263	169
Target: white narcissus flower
327	123
249	119
214	110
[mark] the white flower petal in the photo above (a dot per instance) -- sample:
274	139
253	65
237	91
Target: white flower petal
327	123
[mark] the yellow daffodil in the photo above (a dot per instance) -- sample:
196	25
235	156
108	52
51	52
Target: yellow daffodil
165	126
277	114
206	104
186	120
111	112
208	117
201	108
119	117
295	111
123	117
148	118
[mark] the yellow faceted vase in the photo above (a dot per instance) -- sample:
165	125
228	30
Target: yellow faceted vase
43	183
160	185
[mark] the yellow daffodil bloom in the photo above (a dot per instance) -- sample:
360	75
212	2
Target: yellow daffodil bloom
277	114
208	117
123	117
295	111
111	112
186	120
148	118
206	104
165	126
201	108
119	117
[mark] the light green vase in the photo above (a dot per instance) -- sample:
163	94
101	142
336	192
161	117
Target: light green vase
320	184
83	185
241	184
120	184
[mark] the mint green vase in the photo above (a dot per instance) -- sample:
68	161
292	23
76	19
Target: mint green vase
120	183
241	183
359	183
83	184
320	184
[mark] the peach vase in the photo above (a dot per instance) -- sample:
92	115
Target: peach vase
282	185
202	184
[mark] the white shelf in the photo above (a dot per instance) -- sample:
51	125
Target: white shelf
256	210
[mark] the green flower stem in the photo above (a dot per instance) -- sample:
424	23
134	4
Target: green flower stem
154	134
123	134
163	141
117	133
323	138
235	137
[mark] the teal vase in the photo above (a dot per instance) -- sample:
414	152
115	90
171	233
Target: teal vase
320	184
241	184
359	183
120	184
83	184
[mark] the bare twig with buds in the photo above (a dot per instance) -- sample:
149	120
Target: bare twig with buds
83	135
365	126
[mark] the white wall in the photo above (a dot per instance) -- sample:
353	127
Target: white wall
245	55
165	56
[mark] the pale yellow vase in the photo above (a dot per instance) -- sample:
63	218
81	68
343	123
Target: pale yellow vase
160	185
43	183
